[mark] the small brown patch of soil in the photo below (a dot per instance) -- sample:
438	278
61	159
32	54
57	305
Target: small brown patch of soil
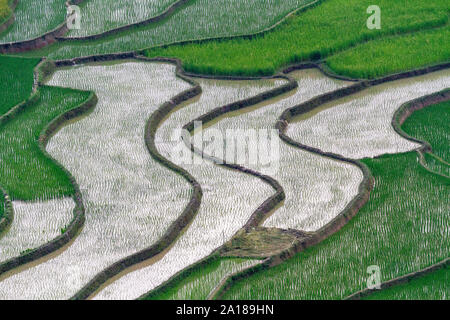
261	242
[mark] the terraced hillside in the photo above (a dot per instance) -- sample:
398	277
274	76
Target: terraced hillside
232	149
34	18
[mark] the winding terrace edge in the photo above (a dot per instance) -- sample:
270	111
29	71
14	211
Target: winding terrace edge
6	23
79	212
163	15
407	109
364	189
8	215
40	41
259	215
57	35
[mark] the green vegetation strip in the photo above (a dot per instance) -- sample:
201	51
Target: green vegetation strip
34	18
100	16
2	205
432	286
197	281
16	81
431	125
417	122
403	219
333	26
26	172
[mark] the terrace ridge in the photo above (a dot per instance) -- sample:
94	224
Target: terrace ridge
8	215
57	35
77	222
400	280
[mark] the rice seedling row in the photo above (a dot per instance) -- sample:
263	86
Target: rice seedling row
16	81
101	15
198	281
316	188
229	197
129	198
359	125
201	19
432	286
34	18
35	224
326	29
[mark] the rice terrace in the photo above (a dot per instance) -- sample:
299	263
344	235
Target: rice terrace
224	150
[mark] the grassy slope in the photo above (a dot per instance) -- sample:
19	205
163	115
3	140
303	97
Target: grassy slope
332	26
5	10
194	284
26	172
401	229
433	286
199	19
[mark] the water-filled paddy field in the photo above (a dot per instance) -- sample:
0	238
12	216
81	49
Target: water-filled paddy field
113	204
316	188
229	197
